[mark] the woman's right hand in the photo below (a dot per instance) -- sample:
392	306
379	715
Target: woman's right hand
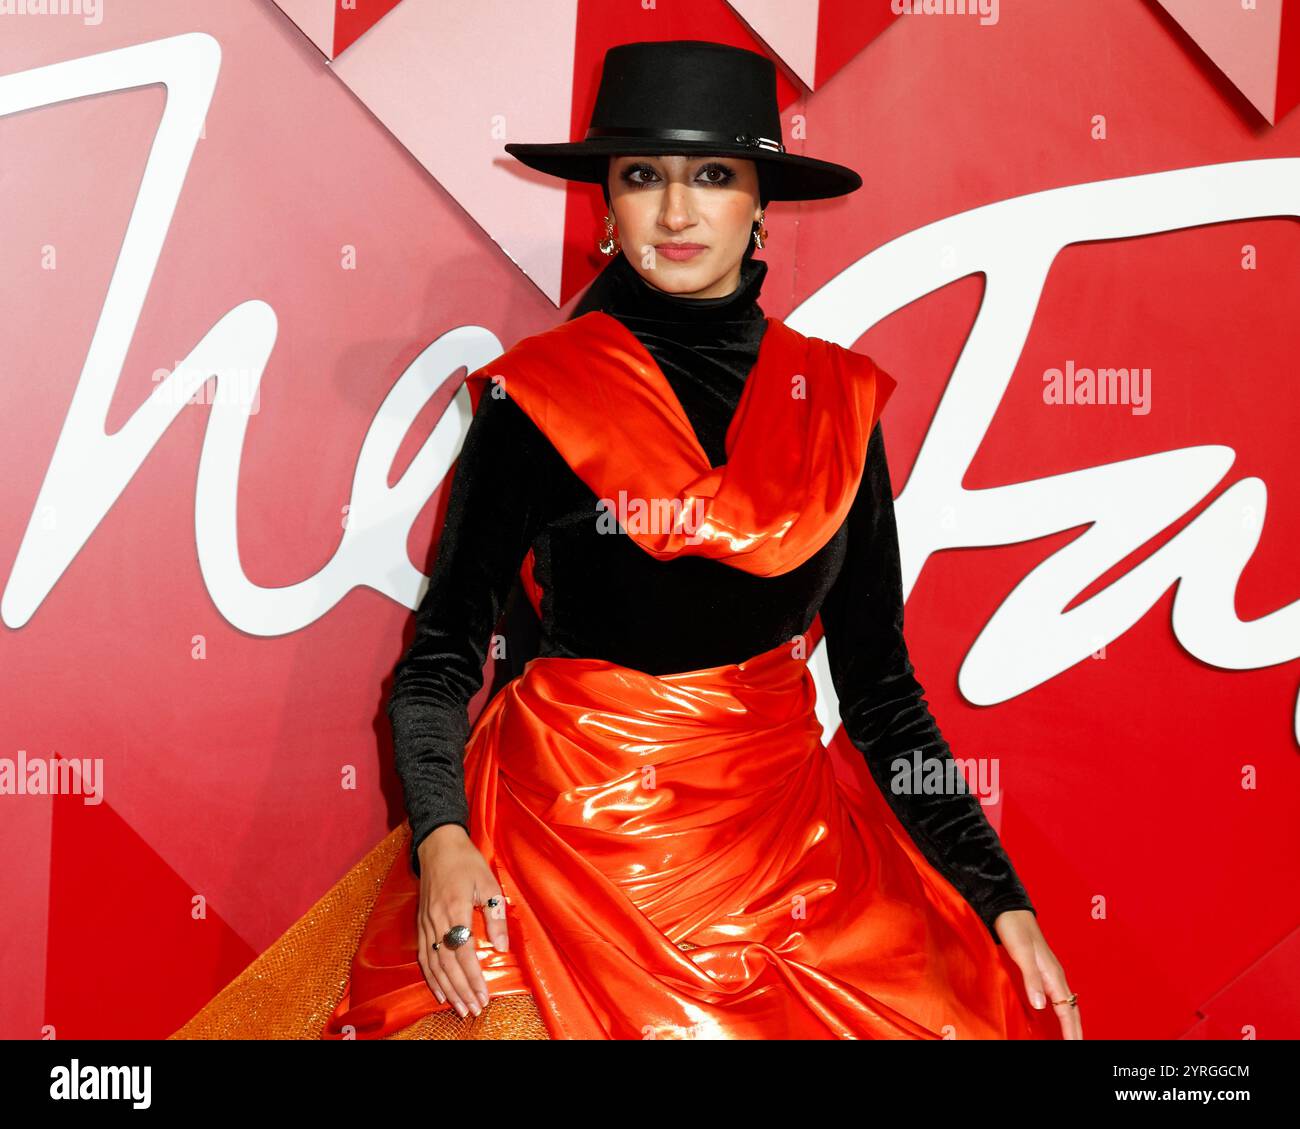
454	878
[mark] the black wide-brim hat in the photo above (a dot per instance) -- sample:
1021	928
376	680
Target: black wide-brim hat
693	97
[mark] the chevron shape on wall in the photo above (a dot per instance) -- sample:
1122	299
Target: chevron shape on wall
332	26
453	84
816	38
1257	48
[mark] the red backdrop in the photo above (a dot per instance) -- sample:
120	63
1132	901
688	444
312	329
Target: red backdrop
203	601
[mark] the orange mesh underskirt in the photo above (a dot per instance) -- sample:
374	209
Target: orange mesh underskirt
292	988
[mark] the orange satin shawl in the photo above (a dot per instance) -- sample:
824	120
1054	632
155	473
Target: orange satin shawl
796	445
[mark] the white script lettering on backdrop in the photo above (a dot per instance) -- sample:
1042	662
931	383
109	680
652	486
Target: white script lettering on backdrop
1028	640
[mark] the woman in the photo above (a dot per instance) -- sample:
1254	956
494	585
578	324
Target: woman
645	821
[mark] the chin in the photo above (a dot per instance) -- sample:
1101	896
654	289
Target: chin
677	278
686	278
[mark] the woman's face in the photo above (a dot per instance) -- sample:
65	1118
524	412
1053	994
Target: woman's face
665	206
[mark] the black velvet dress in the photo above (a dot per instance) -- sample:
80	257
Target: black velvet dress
604	597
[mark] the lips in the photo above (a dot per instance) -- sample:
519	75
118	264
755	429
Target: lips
679	252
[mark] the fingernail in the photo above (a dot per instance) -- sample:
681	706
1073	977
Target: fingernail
461	1008
1040	1000
483	998
441	998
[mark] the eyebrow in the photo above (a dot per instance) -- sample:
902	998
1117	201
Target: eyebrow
689	158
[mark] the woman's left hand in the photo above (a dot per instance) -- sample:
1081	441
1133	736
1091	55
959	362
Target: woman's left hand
1044	976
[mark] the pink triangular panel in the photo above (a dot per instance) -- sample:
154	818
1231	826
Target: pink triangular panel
315	18
453	84
1242	42
789	29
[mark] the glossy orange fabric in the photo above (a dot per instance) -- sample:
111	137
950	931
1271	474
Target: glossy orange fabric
795	447
682	858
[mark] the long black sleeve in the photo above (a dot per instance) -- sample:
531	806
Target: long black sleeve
884	711
493	514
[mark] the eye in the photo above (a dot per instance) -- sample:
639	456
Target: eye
725	174
631	174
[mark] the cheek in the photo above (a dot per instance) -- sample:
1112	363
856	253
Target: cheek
636	212
733	215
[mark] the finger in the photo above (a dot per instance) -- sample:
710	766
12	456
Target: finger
449	976
422	952
494	917
1076	1022
1035	989
453	965
431	955
1066	1012
468	954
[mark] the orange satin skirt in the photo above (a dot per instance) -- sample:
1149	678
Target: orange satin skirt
682	858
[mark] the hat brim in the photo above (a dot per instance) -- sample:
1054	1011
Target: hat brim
786	176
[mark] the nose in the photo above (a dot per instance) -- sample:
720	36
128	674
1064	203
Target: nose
677	212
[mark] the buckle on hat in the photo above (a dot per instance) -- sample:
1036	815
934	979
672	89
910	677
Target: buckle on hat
760	142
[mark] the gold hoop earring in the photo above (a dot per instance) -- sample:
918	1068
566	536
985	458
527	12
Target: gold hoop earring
609	245
760	233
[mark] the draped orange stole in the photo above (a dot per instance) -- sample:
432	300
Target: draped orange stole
795	446
680	856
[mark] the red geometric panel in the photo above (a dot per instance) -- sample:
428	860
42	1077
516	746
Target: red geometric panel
816	38
1288	67
333	25
126	959
350	24
1265	998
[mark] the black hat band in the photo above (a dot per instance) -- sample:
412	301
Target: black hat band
709	136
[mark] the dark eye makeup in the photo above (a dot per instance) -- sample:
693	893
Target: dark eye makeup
716	173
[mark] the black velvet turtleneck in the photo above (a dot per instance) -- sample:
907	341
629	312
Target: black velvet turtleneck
604	597
705	346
